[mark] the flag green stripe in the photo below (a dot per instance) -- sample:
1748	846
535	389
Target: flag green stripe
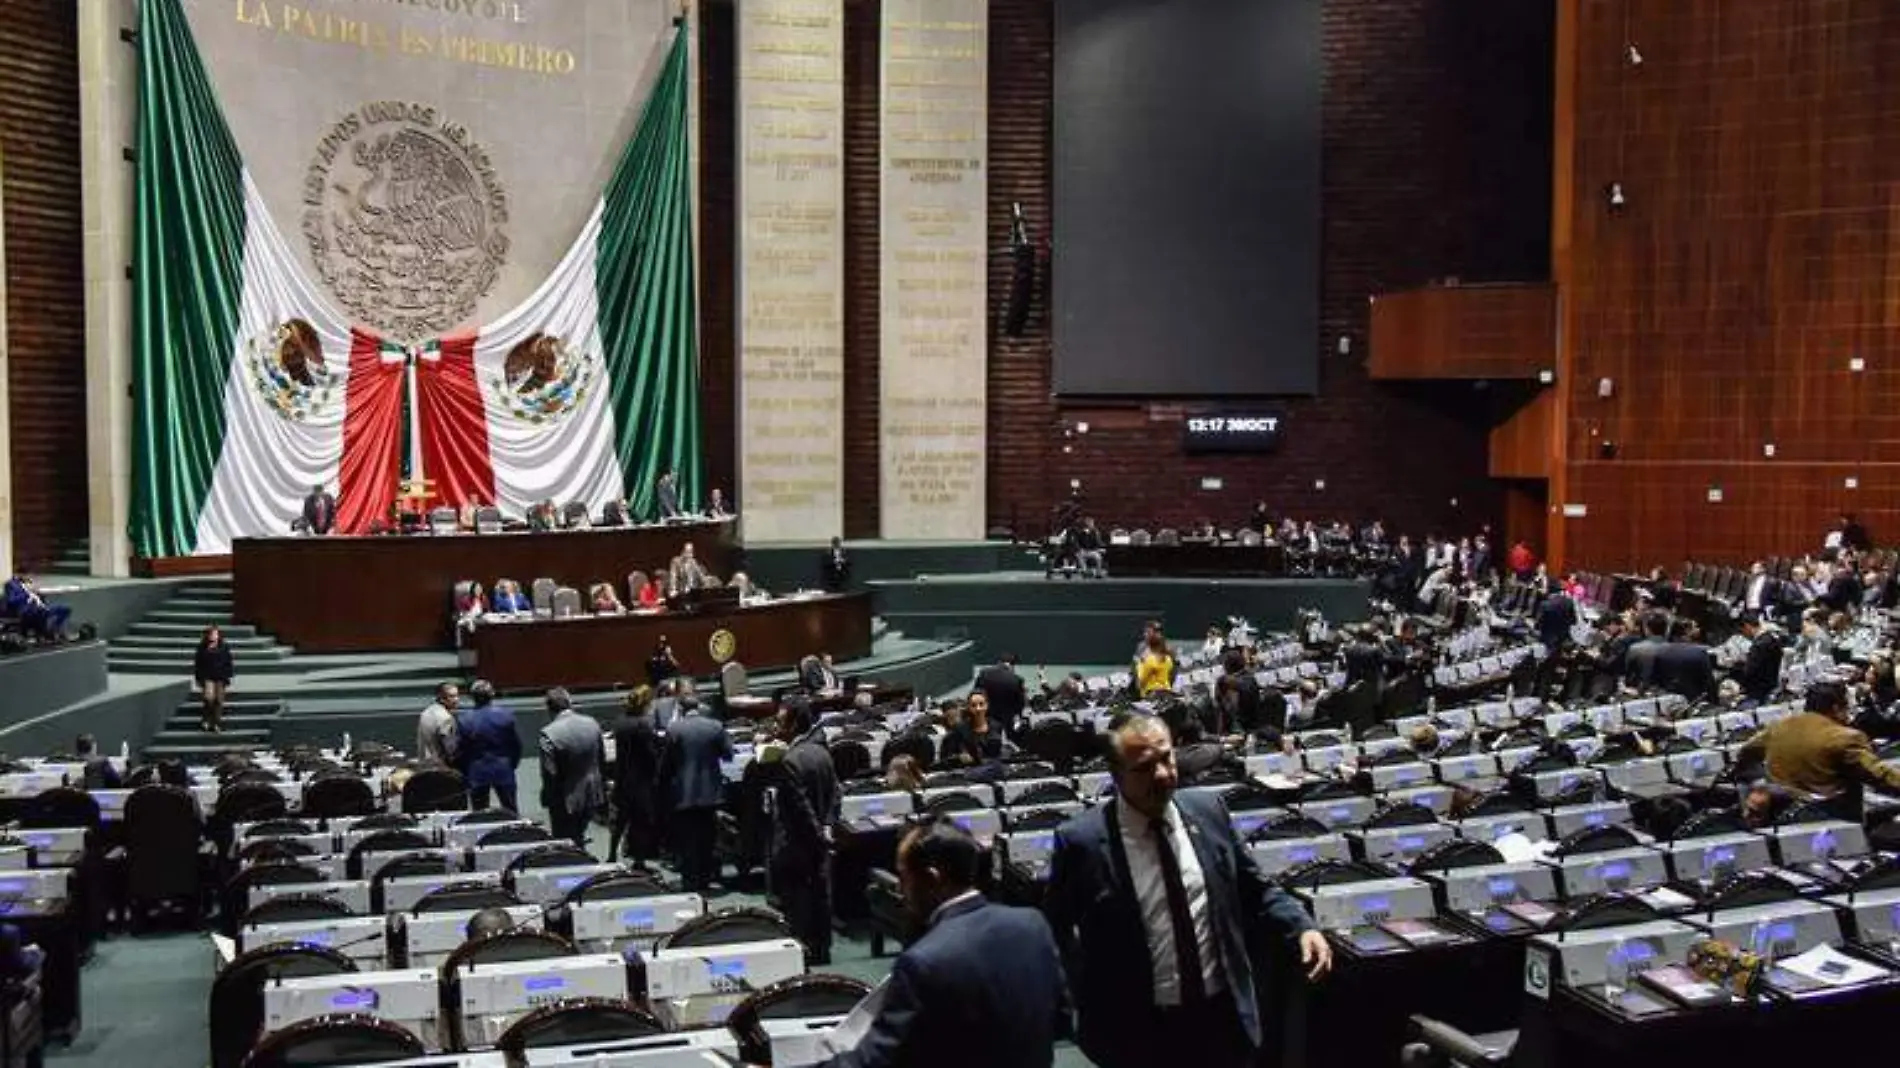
188	278
644	283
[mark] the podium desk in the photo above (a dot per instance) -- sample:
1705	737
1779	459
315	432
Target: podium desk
597	652
396	592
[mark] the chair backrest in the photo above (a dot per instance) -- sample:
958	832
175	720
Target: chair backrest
435	790
514	833
729	926
850	759
235	896
237	994
635	580
330	1041
574	1022
732	679
541	590
162	829
574	514
338	795
513	944
286	827
442	520
488	519
62	806
617	886
800	997
466	897
566	602
553	855
273	851
246	802
294	908
399	868
384	842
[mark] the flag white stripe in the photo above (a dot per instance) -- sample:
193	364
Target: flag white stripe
570	457
269	462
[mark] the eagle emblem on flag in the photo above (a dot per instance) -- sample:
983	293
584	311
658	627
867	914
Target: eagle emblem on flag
288	371
544	378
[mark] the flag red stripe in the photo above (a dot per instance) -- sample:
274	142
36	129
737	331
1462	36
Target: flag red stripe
454	425
372	437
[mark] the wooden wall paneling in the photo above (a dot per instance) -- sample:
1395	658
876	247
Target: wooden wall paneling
1495	331
1520	446
1758	146
39	121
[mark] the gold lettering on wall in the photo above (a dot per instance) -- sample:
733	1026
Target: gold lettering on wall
791	268
320	21
934	233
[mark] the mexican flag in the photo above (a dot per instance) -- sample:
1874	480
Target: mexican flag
251	386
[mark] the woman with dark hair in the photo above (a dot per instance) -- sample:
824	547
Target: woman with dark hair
636	776
213	671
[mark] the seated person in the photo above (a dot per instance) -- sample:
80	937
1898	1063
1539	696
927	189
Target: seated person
100	774
904	773
817	674
716	505
653	593
1154	672
616	514
543	517
465	515
606	601
37	618
1818	753
1086	542
743	583
508	600
968	740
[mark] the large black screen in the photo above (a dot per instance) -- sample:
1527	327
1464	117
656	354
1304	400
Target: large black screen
1187	190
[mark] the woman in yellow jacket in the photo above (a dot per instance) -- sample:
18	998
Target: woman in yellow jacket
1155	671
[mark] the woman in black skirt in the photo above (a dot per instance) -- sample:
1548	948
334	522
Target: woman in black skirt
212	670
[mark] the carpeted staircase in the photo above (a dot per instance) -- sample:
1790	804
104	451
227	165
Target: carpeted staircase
74	558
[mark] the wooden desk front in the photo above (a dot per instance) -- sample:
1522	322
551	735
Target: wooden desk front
396	593
596	652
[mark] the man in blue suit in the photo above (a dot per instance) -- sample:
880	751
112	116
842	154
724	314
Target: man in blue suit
1155	901
36	616
694	784
488	748
982	986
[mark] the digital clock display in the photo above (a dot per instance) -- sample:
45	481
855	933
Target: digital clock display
1237	431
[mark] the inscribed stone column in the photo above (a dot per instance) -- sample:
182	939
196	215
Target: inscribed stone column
934	201
791	268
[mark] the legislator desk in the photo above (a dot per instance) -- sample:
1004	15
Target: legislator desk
1195	559
392	593
591	652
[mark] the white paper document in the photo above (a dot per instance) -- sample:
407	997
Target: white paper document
1825	964
852	1029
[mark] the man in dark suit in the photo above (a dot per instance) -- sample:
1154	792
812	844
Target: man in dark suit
636	780
1154	901
804	805
99	773
1006	691
573	751
686	573
1844	589
1555	617
1683	667
319	511
835	567
666	496
1763	591
488	748
1639	661
1761	671
981	986
615	513
695	787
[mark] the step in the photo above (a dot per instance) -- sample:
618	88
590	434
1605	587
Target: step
189	643
222	606
206	588
186	617
189	722
233	632
228	738
189	754
241	705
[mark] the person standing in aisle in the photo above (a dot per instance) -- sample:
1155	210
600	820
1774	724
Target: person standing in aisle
213	671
